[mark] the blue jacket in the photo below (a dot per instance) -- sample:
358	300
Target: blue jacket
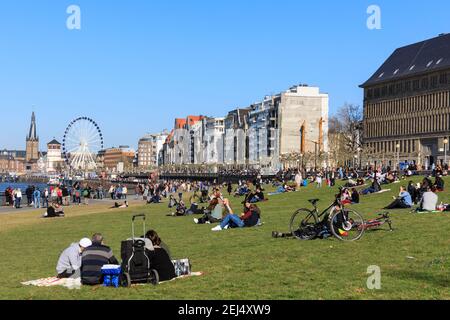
406	197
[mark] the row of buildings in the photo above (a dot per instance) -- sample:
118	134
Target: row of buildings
293	121
406	119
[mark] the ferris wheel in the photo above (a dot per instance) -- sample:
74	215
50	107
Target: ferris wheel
82	141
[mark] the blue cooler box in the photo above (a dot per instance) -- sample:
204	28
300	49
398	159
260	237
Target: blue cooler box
111	275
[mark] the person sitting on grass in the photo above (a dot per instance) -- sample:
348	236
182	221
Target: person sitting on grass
93	259
54	211
374	188
439	183
117	205
214	212
155	199
254	197
412	190
355	196
426	184
250	218
242	191
403	201
180	209
429	201
69	262
346	197
160	259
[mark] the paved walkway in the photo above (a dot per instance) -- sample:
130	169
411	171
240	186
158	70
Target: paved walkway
25	208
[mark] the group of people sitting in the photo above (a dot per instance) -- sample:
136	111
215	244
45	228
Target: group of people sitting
424	195
220	211
86	258
349	196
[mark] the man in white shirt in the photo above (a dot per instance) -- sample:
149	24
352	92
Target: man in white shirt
429	201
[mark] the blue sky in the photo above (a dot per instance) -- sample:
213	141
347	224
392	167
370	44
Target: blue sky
136	65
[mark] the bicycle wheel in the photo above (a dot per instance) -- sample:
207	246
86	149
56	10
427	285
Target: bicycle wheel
346	225
303	224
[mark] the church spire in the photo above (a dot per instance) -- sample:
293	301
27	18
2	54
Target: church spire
32	135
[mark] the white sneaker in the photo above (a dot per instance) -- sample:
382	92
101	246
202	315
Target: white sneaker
218	228
208	222
227	227
196	221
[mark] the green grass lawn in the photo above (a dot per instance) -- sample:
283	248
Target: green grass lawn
243	263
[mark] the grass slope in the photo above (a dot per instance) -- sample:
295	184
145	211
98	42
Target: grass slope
243	263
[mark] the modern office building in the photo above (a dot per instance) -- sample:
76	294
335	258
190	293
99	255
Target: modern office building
407	105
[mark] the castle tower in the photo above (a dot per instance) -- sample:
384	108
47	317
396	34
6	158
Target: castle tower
32	152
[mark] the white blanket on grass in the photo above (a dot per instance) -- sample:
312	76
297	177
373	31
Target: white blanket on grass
76	283
53	282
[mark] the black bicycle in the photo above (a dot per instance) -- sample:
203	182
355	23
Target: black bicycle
342	223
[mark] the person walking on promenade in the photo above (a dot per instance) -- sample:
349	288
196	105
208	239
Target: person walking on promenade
18	198
86	195
65	196
45	198
112	192
124	192
59	195
29	193
37	199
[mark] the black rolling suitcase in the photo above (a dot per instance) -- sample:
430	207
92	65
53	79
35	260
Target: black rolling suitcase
136	267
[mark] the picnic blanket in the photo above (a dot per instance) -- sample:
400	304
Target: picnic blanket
380	192
76	283
436	211
53	282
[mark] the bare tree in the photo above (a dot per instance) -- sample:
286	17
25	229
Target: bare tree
346	131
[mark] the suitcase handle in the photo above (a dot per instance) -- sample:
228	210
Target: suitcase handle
143	216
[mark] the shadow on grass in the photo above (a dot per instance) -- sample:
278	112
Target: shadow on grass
435	280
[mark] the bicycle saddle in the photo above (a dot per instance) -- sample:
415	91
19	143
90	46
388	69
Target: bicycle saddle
314	201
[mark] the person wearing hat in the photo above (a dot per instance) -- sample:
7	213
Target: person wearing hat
69	263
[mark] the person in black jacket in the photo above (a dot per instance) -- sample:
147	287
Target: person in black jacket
439	184
160	259
93	259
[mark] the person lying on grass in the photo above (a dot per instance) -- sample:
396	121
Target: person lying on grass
120	206
403	201
374	188
159	258
250	217
69	262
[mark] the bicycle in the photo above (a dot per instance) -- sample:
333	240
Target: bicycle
383	218
343	223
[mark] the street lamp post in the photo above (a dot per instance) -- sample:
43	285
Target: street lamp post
445	151
398	156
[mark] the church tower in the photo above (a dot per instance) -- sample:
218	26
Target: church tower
32	142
